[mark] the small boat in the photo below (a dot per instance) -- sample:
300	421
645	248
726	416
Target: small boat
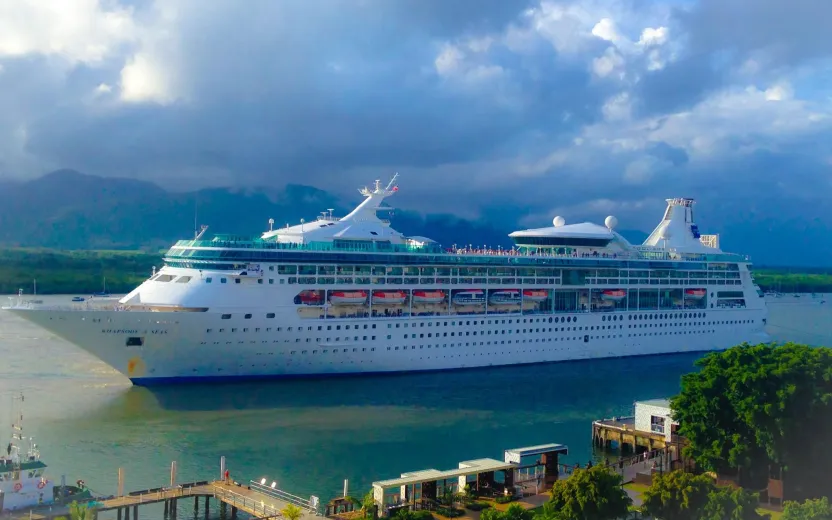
535	295
78	299
103	293
347	297
505	297
695	293
310	298
389	297
21	458
615	295
428	296
469	297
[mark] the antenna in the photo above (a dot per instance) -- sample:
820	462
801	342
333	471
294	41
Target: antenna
271	224
196	208
392	181
330	213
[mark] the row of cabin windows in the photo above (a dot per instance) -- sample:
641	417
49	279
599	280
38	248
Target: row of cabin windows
516	331
557	319
291	280
492	271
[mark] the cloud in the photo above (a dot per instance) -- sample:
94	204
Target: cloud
85	31
521	103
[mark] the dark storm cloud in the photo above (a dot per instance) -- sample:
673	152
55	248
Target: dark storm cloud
302	89
786	32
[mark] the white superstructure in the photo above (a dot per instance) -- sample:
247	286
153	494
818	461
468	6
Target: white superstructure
352	295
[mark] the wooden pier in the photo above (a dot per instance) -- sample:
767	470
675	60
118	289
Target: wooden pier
256	503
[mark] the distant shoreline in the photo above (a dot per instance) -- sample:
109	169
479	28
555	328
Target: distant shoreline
85	272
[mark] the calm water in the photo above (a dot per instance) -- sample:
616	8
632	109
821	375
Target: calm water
310	435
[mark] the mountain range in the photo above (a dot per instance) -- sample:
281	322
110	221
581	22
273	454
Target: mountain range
66	209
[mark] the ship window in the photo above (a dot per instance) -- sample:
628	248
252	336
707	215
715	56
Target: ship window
183	279
135	341
208	280
248	316
226	316
223	280
270	315
236	280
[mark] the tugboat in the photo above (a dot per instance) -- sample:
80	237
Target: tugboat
22	474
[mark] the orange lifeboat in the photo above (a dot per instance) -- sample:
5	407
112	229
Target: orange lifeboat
535	295
697	294
428	296
389	297
614	295
347	297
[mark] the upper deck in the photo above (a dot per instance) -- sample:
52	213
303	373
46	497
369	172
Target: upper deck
361	237
238	250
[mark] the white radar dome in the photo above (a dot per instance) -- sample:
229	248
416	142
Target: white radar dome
611	222
666	234
559	221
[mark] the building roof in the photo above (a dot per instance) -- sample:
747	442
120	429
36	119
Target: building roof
468	467
662	403
515	454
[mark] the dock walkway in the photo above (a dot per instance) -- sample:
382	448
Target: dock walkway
255	503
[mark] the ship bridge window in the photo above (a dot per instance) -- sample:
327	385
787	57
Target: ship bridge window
164	278
135	341
183	279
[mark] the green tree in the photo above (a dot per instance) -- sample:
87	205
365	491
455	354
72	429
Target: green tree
677	496
291	512
748	408
588	494
513	512
368	502
818	509
732	504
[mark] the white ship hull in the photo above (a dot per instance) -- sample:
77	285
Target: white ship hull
178	348
298	301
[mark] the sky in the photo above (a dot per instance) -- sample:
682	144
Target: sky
511	111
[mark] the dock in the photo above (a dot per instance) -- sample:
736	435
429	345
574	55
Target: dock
648	440
255	499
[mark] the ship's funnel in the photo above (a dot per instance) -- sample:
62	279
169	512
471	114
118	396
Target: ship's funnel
677	230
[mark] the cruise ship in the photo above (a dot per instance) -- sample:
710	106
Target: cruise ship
352	295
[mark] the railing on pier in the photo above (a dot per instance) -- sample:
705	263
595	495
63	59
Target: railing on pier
310	504
249	505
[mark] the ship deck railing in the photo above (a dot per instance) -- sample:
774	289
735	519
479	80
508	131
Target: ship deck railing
378	247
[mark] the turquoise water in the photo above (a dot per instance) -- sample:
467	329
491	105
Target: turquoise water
309	435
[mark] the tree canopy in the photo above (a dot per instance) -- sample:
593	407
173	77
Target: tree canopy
818	509
677	495
513	512
754	407
683	496
588	494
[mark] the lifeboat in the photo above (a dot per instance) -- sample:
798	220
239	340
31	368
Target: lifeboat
428	296
505	297
310	298
389	297
535	295
697	294
347	297
614	295
469	297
